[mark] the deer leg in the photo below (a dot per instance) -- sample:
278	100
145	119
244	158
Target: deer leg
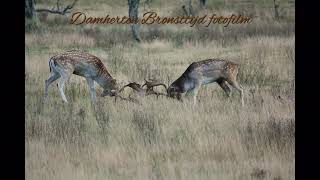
61	84
194	91
53	76
91	88
235	84
225	87
190	92
65	75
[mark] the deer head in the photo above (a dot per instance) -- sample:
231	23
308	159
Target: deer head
111	90
174	92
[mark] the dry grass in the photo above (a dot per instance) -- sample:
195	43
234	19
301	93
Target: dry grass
162	138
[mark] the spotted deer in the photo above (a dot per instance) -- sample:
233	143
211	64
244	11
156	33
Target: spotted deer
205	72
82	64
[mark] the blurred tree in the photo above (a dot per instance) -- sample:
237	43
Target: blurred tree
29	8
276	9
133	13
203	3
147	2
189	11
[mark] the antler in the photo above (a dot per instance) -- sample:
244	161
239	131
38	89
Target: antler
135	86
132	85
152	83
130	99
116	94
155	93
144	92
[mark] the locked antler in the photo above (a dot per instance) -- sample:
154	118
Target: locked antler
152	83
116	94
135	86
143	92
129	98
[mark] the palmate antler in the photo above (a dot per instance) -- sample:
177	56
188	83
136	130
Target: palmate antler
135	86
140	90
152	83
129	98
117	95
144	92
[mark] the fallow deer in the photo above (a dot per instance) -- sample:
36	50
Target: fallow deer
82	64
204	72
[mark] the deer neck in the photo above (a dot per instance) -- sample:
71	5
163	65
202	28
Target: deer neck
185	83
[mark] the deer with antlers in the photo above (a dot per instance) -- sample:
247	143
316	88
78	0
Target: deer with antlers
82	64
204	72
92	69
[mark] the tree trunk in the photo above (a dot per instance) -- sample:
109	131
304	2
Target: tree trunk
276	8
203	3
133	13
29	9
190	8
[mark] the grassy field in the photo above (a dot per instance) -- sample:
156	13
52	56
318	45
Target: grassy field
163	138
